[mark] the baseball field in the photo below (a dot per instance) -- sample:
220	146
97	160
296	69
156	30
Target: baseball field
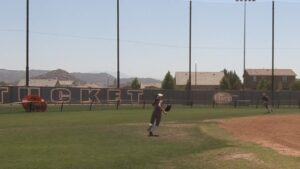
204	138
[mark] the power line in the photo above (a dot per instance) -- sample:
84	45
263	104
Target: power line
143	42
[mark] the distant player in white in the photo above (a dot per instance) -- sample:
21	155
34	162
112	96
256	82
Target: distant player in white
156	114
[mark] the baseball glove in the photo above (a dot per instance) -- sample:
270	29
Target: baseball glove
168	107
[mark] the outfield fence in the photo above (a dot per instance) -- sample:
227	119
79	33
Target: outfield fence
97	96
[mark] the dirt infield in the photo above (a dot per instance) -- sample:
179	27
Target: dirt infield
281	133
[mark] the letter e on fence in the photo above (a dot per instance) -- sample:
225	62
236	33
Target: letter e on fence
113	95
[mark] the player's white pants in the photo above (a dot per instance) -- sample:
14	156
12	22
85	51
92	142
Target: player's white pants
153	127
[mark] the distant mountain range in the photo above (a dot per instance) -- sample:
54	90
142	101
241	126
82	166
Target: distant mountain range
101	79
13	76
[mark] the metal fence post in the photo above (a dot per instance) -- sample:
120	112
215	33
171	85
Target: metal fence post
118	104
257	102
144	104
61	106
92	102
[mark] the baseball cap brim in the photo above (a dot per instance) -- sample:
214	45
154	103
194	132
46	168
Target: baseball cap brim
160	95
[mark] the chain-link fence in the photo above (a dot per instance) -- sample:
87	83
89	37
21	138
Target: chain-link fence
109	96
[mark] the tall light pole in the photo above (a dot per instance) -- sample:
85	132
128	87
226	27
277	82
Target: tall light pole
27	43
118	44
196	74
273	47
190	52
245	29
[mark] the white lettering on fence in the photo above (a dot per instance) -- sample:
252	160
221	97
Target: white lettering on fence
28	91
3	90
135	95
113	95
93	95
62	94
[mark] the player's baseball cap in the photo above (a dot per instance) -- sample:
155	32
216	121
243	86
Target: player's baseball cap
160	95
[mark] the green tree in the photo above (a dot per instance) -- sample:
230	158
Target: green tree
135	84
3	84
168	82
230	81
295	85
264	85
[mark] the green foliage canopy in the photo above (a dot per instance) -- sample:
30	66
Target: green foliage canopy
168	82
295	85
3	83
135	84
230	81
264	85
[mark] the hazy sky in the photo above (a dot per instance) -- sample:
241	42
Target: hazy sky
80	35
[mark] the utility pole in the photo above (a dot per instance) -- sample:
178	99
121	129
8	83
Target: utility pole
27	43
245	42
190	53
196	74
118	44
273	48
245	29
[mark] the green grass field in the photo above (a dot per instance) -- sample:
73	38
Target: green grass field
106	138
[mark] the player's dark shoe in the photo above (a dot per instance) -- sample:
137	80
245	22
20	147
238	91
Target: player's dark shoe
153	135
150	134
